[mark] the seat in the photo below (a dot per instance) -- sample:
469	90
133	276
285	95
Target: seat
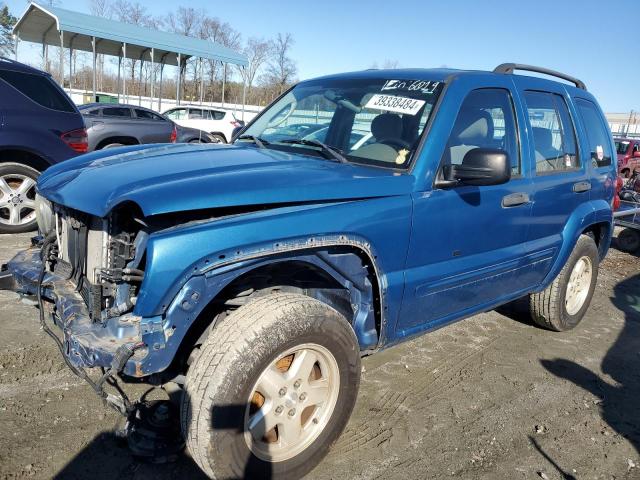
547	157
386	129
473	129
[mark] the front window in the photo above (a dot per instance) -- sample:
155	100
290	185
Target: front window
371	121
622	147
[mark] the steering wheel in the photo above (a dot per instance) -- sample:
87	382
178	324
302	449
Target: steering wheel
278	121
396	143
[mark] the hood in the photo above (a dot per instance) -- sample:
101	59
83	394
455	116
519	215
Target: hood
173	178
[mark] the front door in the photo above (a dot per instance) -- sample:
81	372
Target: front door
467	244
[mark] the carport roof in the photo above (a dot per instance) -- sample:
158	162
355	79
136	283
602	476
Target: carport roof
42	24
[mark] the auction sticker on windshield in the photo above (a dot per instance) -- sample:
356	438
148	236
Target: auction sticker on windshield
392	103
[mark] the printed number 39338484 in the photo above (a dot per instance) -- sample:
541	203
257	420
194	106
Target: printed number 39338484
392	103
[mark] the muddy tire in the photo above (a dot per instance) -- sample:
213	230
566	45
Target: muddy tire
218	138
17	198
272	388
562	304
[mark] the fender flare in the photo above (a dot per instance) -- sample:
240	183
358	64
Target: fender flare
585	216
165	333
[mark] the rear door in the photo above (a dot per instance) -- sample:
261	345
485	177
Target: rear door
560	179
152	127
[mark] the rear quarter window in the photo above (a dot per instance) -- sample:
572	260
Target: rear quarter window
597	134
39	89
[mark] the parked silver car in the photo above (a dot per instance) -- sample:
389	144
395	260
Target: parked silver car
114	125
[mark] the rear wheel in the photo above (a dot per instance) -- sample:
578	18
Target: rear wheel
17	198
562	304
271	389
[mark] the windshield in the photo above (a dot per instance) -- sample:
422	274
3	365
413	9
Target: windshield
371	121
622	147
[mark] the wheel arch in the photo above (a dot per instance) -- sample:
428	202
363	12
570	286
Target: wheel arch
26	157
343	276
594	218
123	139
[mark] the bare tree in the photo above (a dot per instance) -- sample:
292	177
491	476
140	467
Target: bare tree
100	8
222	33
282	69
135	14
257	52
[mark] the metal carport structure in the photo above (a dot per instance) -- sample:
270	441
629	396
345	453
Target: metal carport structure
78	31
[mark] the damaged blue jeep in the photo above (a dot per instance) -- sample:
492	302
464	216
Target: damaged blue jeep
356	211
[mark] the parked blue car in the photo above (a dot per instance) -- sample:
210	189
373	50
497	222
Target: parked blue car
255	275
39	127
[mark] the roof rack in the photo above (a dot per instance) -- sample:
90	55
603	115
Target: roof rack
510	67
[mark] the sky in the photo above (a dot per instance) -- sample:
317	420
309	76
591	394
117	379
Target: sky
586	39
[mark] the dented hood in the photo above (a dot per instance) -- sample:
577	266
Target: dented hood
173	178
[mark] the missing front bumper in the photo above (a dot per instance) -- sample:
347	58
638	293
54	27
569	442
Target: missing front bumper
86	344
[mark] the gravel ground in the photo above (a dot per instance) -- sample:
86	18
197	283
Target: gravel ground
490	397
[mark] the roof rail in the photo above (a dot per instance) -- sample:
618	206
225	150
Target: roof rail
510	67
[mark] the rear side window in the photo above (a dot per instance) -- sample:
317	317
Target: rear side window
217	115
116	112
598	136
554	137
177	114
485	120
147	115
39	89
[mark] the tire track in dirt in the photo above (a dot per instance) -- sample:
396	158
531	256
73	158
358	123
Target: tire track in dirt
391	407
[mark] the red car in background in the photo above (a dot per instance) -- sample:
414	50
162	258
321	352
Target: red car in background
628	150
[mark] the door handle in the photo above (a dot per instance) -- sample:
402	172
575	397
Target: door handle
580	187
515	199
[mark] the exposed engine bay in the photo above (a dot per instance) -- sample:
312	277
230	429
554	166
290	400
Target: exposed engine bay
103	258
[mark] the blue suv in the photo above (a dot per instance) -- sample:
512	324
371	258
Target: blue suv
39	126
256	275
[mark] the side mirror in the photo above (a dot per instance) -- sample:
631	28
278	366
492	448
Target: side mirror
480	166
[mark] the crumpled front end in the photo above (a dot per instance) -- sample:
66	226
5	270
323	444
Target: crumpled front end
87	343
94	268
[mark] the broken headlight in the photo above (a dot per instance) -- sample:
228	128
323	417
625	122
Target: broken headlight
44	214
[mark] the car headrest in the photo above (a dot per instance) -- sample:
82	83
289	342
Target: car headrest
473	127
386	125
542	138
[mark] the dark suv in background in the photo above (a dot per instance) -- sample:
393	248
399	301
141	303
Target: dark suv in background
39	126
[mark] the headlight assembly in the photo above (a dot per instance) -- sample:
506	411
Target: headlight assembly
44	214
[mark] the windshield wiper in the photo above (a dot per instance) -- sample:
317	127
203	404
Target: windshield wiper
332	152
257	140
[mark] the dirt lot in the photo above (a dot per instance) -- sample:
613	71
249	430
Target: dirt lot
490	397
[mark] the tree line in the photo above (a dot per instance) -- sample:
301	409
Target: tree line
271	69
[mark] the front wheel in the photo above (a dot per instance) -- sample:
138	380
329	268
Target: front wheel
562	304
271	389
